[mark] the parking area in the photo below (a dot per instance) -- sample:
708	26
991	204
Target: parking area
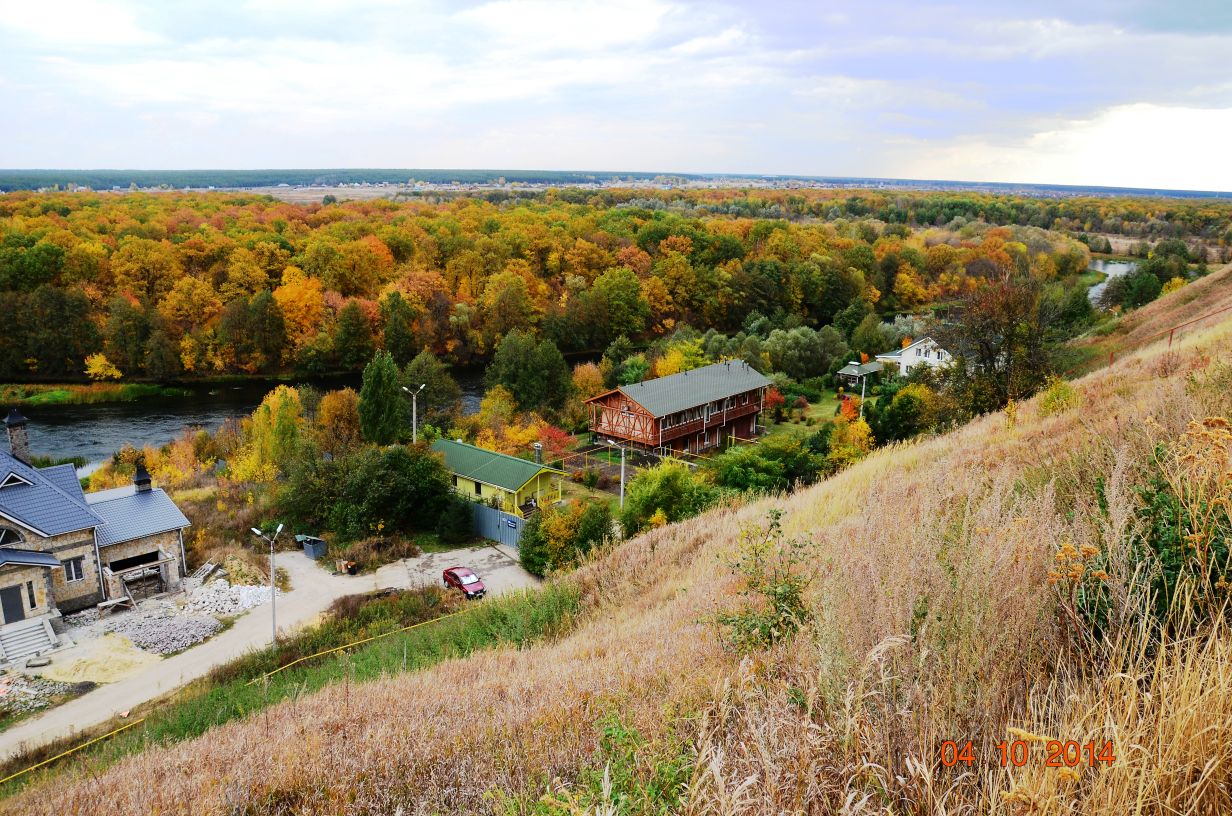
497	566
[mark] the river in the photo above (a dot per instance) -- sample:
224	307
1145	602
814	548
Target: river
96	431
1113	269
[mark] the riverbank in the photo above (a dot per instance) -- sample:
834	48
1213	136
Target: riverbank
27	394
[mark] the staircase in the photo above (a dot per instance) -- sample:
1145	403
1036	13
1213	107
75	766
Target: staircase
25	638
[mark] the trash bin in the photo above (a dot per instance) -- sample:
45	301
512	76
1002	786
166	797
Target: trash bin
314	547
352	568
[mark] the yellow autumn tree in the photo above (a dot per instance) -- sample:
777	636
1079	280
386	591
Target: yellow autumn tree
271	436
849	443
245	277
684	356
191	302
99	368
303	305
1174	284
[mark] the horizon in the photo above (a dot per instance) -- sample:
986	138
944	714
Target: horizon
1108	94
632	176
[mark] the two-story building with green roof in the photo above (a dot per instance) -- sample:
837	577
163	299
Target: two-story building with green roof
517	486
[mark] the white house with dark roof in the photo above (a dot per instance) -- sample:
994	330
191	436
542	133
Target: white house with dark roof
924	351
62	549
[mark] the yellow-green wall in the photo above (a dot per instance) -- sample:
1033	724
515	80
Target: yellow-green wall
543	487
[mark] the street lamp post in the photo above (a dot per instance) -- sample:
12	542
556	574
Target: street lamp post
863	380
414	411
273	583
612	442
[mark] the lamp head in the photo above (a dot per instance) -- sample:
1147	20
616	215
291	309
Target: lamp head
256	532
279	530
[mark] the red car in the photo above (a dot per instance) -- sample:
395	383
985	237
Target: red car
462	578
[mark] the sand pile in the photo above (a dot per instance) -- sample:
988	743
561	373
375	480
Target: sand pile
107	659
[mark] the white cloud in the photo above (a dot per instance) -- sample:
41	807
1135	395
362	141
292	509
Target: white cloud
75	23
1138	145
878	88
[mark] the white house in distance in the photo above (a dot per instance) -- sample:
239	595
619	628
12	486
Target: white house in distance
924	351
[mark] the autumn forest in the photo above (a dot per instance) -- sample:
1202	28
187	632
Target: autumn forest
185	285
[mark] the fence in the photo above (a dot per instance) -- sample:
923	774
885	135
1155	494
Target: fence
496	525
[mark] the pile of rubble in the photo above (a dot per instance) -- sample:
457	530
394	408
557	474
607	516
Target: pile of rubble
20	694
220	597
85	617
163	634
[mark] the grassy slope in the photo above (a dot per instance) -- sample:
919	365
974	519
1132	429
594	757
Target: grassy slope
1204	295
934	621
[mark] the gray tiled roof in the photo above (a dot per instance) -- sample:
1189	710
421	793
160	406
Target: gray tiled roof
65	478
27	558
689	389
42	505
128	514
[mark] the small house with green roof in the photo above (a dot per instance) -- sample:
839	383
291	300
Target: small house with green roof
517	486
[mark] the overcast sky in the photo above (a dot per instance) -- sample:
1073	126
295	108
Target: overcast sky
1110	92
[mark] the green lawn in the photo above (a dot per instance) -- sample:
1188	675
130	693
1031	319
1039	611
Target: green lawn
822	411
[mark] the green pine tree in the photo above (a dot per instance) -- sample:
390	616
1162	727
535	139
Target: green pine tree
382	409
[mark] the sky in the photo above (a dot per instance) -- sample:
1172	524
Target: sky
1089	92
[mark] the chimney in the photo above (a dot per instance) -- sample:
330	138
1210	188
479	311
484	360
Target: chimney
19	443
538	453
141	479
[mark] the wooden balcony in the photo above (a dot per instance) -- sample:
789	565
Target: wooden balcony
716	420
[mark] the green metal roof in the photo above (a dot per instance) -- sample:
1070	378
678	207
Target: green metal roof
489	467
854	369
689	389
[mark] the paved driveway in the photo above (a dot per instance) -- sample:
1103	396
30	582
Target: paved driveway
313	589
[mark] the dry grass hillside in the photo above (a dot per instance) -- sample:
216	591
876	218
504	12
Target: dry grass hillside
946	603
1208	294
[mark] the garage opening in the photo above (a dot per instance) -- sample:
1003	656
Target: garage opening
121	564
141	575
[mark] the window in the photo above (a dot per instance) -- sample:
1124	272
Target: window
74	569
9	536
30	594
478	489
455	481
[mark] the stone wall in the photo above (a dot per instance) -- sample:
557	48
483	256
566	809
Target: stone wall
73	595
68	596
168	542
18	576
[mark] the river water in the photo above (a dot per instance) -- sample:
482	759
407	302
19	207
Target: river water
97	431
1113	269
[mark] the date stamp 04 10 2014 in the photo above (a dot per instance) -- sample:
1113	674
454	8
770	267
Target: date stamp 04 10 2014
1016	753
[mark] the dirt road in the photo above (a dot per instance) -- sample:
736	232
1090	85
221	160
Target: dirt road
312	591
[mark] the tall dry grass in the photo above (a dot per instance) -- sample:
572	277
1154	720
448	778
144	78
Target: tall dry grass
933	618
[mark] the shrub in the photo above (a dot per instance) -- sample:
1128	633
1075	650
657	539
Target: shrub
556	537
1185	521
775	578
670	488
1059	396
373	491
454	525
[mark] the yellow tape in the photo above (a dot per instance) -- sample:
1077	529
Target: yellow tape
249	683
72	750
267	675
